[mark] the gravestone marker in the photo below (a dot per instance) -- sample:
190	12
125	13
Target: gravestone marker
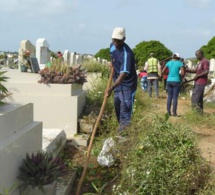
72	59
42	52
212	65
25	45
78	59
34	65
66	56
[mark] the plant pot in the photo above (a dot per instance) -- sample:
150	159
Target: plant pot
23	68
49	189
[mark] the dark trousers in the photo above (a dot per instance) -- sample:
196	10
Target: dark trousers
173	91
155	83
164	85
123	102
197	97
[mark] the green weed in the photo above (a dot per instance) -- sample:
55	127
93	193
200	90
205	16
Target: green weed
202	120
163	160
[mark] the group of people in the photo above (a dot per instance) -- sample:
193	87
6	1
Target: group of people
154	71
125	78
173	73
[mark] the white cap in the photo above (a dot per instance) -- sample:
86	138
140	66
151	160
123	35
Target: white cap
176	55
118	33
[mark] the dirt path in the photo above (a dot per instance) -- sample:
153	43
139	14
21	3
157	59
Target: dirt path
206	135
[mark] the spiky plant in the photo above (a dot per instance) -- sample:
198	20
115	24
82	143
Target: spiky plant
3	90
40	169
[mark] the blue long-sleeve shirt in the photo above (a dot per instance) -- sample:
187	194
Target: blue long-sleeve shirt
123	62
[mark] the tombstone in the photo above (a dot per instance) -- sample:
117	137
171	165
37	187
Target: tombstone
66	56
79	59
72	59
94	59
212	65
7	62
34	64
104	62
26	45
99	60
42	52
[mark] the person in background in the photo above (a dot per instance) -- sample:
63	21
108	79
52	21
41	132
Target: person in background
175	66
165	75
27	53
182	60
153	68
125	78
182	77
200	81
59	54
143	80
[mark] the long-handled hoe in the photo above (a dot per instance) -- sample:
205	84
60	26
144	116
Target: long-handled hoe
93	135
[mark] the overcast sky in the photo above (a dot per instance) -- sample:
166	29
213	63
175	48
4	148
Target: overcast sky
85	26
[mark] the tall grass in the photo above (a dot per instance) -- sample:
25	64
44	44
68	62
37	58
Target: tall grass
206	120
95	67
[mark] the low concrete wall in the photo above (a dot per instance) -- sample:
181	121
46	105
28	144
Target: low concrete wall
16	141
14	118
56	105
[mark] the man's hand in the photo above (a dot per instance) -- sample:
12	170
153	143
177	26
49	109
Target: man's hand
109	91
186	68
110	65
184	80
195	78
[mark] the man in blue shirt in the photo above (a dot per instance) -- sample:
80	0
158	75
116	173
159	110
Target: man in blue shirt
125	77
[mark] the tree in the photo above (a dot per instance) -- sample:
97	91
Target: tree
144	48
209	49
53	54
103	53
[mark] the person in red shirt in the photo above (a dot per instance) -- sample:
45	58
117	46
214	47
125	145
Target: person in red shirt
165	75
201	79
59	54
